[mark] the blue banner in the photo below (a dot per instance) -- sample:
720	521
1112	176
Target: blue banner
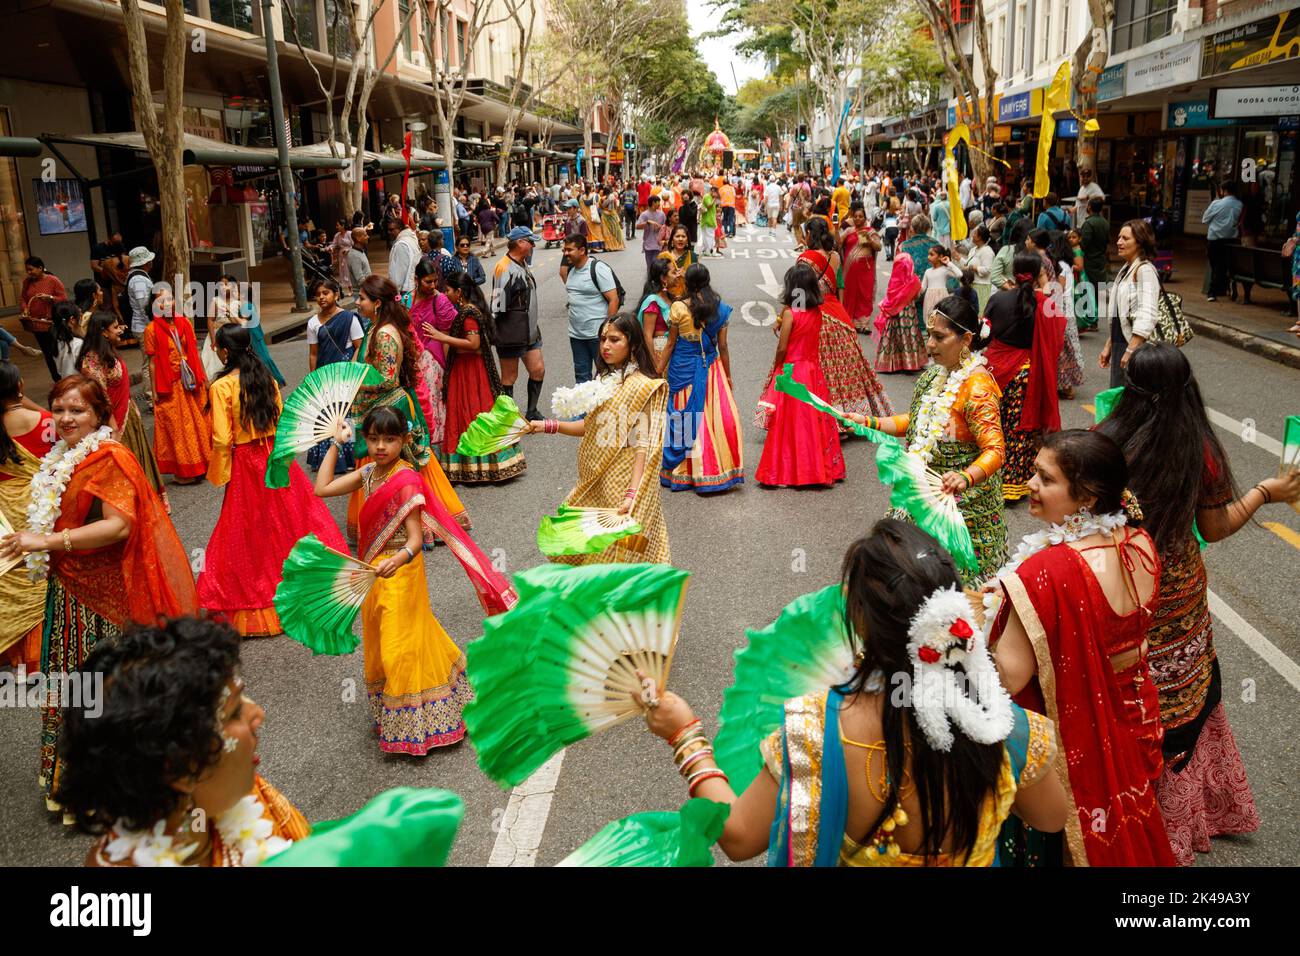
1192	114
1111	84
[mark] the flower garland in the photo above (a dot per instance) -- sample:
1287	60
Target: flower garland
585	398
1081	524
48	485
936	408
244	829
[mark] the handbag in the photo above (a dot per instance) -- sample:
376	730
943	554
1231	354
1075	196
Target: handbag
1171	325
189	381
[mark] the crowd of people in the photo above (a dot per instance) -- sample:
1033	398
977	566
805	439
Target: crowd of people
1103	688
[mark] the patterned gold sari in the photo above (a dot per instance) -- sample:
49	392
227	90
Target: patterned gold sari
23	600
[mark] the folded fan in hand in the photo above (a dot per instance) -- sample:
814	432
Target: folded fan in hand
6	529
320	592
806	649
583	530
682	838
785	382
499	427
313	412
1105	403
561	665
918	490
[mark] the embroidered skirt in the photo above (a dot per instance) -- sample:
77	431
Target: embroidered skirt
902	346
853	386
1022	447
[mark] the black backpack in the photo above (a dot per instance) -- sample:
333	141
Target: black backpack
618	286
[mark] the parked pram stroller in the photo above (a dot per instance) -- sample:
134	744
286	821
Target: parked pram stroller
552	231
315	269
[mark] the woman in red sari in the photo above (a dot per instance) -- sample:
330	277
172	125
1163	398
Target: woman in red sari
110	551
803	445
182	438
860	244
1070	642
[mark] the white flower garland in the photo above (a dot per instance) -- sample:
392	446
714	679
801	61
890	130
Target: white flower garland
936	407
1081	524
48	485
583	399
244	829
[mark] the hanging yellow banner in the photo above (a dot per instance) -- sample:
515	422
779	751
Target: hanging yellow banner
1056	98
958	134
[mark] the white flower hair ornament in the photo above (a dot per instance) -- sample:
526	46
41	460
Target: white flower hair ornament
953	676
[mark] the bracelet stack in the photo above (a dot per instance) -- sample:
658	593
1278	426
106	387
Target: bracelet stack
693	755
1268	499
550	426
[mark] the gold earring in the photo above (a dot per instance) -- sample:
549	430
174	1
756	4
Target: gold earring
965	352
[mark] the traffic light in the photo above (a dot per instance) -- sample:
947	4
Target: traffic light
629	142
803	133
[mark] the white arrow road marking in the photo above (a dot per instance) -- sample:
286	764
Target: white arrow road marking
769	283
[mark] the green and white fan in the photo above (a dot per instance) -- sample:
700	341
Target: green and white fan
313	412
561	664
806	649
583	530
499	427
1290	450
320	593
6	529
918	490
680	838
785	382
1104	403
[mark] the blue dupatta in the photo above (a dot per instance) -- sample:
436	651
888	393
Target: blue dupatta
689	368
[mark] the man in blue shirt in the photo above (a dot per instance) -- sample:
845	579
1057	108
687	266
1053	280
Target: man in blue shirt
593	298
1222	216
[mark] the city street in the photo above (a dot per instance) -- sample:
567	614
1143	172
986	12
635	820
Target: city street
750	551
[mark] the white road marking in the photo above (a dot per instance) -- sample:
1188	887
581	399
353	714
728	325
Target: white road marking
769	283
767	310
1271	445
524	822
1256	641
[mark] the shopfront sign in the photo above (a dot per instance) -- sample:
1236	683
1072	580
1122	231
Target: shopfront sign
1020	106
1111	84
1249	101
1253	44
1067	129
1192	114
1173	67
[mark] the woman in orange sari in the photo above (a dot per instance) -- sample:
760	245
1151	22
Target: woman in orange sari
142	772
182	437
103	537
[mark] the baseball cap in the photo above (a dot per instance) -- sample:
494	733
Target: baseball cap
521	232
571	204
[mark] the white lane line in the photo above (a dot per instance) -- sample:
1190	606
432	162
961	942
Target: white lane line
1256	641
1271	445
524	823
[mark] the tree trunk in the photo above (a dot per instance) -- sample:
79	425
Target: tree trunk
1089	62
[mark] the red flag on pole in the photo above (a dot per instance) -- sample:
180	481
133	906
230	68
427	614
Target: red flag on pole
406	176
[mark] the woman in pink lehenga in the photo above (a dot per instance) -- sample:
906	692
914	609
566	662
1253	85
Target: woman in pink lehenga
902	344
430	306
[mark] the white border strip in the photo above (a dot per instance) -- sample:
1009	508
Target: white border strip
524	823
1256	641
1269	444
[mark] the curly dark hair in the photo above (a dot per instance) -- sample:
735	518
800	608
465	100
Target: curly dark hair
162	685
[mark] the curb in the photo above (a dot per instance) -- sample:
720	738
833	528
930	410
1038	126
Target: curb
1254	344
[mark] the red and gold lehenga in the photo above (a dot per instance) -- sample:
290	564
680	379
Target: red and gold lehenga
94	594
1107	720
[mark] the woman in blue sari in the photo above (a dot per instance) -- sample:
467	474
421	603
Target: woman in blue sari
702	443
921	778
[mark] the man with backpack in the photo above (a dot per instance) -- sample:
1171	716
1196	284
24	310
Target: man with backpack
594	296
1054	218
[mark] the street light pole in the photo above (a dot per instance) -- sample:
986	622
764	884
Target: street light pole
282	160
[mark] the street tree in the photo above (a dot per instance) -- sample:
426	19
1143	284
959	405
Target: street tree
1089	61
163	128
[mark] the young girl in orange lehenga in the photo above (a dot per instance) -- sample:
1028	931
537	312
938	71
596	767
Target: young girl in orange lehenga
182	436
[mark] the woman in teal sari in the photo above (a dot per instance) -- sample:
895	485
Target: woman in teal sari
942	765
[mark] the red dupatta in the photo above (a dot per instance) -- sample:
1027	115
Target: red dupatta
163	375
154	565
904	287
385	511
1114	818
1041	409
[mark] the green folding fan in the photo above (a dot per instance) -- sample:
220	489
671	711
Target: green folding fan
499	427
918	490
583	530
680	838
320	592
806	649
313	412
1104	403
785	382
561	665
400	827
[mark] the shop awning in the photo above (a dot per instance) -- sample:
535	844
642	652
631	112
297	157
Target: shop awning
200	151
20	146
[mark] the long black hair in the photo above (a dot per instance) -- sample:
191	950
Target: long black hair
63	317
1093	464
96	341
654	279
1026	264
1170	447
818	234
638	351
886	576
801	286
701	298
472	294
390	311
10	380
257	389
83	293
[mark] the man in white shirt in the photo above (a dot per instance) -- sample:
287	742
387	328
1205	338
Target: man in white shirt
1088	189
965	193
772	200
403	256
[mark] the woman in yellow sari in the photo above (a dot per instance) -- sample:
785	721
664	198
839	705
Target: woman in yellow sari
589	204
26	435
610	224
624	411
858	774
146	767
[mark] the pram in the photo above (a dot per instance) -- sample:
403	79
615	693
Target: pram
552	230
315	269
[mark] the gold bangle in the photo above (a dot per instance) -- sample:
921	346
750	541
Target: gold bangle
67	540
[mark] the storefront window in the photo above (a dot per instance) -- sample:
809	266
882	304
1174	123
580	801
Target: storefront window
1267	199
13	227
338	17
1140	21
304	17
233	13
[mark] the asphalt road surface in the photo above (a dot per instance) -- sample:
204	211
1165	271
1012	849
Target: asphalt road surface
750	551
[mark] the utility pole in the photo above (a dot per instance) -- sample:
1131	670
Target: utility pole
282	157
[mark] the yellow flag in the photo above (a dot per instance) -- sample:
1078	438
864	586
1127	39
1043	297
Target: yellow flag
1056	98
959	133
